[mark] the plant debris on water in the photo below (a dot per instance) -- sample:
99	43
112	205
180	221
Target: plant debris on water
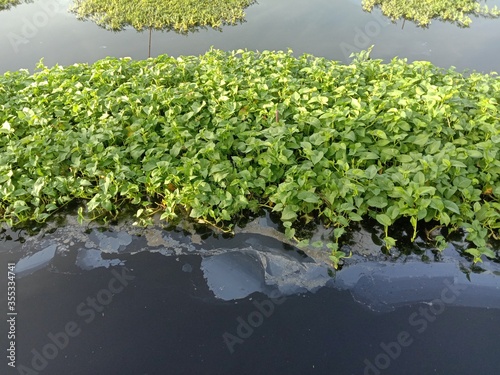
218	135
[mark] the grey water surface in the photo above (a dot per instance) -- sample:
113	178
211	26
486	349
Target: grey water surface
327	28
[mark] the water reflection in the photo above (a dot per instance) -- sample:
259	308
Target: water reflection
256	261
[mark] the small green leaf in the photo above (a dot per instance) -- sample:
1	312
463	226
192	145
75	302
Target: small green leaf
451	206
288	214
355	103
371	171
377	201
384	220
389	242
308	196
317	156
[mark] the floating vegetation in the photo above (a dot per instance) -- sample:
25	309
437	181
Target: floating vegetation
422	12
218	135
178	15
6	4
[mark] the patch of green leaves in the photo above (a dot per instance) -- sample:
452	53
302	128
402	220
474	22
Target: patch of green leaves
6	4
423	12
213	136
178	15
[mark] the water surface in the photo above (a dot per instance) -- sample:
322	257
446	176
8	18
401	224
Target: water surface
327	28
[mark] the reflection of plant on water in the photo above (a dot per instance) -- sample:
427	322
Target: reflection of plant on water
423	11
181	16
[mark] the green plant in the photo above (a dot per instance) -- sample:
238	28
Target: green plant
423	11
213	136
6	4
178	15
336	255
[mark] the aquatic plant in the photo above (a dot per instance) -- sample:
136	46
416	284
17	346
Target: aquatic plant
216	135
423	12
6	4
178	15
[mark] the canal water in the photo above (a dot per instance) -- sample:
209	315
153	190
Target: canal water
119	299
328	28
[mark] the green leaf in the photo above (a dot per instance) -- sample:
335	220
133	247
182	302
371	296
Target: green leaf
288	214
308	196
378	133
393	212
462	182
371	172
389	242
419	178
317	156
37	186
355	217
355	103
421	139
437	203
384	220
377	201
451	206
176	149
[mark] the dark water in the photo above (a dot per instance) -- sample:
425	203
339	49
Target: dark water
127	300
153	302
166	321
328	28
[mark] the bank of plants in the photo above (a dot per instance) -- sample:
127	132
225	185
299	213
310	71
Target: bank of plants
422	12
216	136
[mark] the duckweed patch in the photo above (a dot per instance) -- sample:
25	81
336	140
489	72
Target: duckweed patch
215	136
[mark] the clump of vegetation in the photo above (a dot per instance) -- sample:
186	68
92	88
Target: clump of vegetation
6	4
422	12
215	135
178	15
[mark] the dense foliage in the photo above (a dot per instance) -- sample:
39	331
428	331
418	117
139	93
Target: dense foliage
423	11
178	15
214	135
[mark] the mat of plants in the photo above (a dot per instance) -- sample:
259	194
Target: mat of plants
5	4
423	12
179	15
216	136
